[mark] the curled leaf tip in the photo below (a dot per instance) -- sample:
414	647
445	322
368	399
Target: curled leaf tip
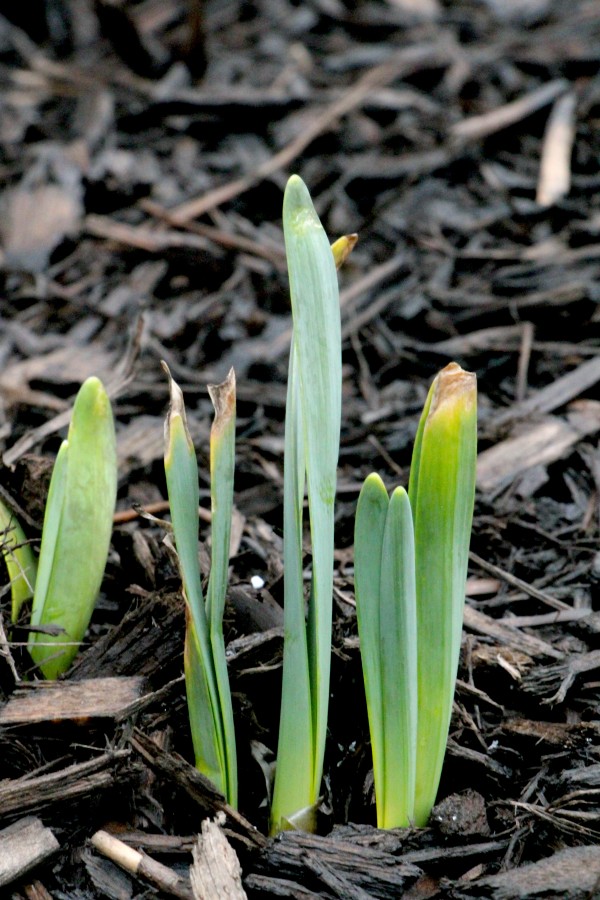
223	399
176	408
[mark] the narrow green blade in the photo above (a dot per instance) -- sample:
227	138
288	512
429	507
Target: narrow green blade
441	491
371	512
20	561
80	514
181	471
317	369
294	775
208	752
222	469
398	641
317	337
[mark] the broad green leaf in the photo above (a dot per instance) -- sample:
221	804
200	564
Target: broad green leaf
222	470
205	725
384	578
77	531
52	517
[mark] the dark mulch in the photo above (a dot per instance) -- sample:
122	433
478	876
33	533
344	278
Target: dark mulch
143	154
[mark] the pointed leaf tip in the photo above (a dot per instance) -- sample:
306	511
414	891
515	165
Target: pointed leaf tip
298	208
176	410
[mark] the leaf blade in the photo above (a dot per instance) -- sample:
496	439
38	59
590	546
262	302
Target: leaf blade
86	493
181	472
398	641
442	496
371	513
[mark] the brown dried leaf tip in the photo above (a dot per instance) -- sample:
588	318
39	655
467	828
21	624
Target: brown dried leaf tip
223	399
176	408
453	385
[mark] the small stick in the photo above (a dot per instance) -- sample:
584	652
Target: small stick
524	357
477	127
138	864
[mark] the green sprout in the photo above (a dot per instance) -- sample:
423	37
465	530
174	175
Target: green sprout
207	685
410	564
312	434
20	560
76	532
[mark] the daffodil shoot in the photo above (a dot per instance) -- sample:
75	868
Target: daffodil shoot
411	555
76	533
207	685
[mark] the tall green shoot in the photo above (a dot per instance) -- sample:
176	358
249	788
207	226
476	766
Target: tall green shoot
312	431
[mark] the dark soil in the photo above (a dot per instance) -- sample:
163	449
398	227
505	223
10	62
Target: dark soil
144	148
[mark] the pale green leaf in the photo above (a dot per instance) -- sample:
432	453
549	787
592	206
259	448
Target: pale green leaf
398	642
77	531
441	491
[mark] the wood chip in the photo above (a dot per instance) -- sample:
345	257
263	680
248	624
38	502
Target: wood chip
33	792
216	870
35	222
405	62
539	444
573	872
554	395
60	701
555	167
477	621
23	846
478	127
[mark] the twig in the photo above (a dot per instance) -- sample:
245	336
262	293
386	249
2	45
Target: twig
478	127
139	864
519	584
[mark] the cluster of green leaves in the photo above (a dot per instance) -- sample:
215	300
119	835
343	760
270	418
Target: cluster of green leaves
410	565
410	557
207	685
66	579
410	569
